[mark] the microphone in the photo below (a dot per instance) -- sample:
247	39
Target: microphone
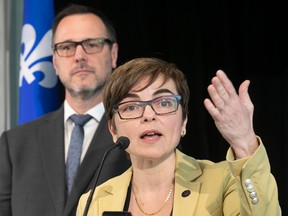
122	143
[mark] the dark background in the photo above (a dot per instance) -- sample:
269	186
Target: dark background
247	39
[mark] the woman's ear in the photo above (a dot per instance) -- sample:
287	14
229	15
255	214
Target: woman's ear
113	131
183	129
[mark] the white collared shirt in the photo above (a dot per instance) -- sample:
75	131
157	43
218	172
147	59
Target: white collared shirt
90	127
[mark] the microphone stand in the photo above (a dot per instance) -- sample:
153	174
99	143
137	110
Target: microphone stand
122	143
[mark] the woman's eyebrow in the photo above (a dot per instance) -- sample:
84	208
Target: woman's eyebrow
159	91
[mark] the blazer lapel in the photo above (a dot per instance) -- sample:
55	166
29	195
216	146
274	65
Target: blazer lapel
116	195
51	139
186	191
186	194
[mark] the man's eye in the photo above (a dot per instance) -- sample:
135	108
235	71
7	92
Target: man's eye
93	45
65	47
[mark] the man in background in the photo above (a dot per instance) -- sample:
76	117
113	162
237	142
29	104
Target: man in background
34	156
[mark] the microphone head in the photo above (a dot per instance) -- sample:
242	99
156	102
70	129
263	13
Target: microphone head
123	142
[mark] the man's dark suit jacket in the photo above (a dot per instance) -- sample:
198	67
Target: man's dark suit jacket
32	167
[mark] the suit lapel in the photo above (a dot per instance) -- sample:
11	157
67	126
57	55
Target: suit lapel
51	139
85	176
52	150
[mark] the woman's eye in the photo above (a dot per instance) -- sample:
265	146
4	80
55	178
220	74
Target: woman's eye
129	108
165	103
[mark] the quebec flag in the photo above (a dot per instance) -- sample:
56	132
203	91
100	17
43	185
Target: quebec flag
39	87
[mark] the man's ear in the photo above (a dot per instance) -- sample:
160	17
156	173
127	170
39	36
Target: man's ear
55	63
114	55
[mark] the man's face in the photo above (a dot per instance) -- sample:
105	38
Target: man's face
83	75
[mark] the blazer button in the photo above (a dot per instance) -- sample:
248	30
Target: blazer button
248	182
250	188
186	193
253	194
255	200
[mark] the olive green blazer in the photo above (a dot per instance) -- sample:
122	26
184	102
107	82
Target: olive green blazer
202	188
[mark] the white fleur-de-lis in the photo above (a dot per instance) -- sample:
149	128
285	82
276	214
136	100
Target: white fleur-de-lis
42	50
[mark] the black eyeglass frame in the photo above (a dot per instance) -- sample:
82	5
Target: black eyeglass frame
145	103
102	41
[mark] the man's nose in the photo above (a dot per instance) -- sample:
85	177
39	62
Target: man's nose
80	53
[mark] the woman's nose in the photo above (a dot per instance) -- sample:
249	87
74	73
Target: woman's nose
149	113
